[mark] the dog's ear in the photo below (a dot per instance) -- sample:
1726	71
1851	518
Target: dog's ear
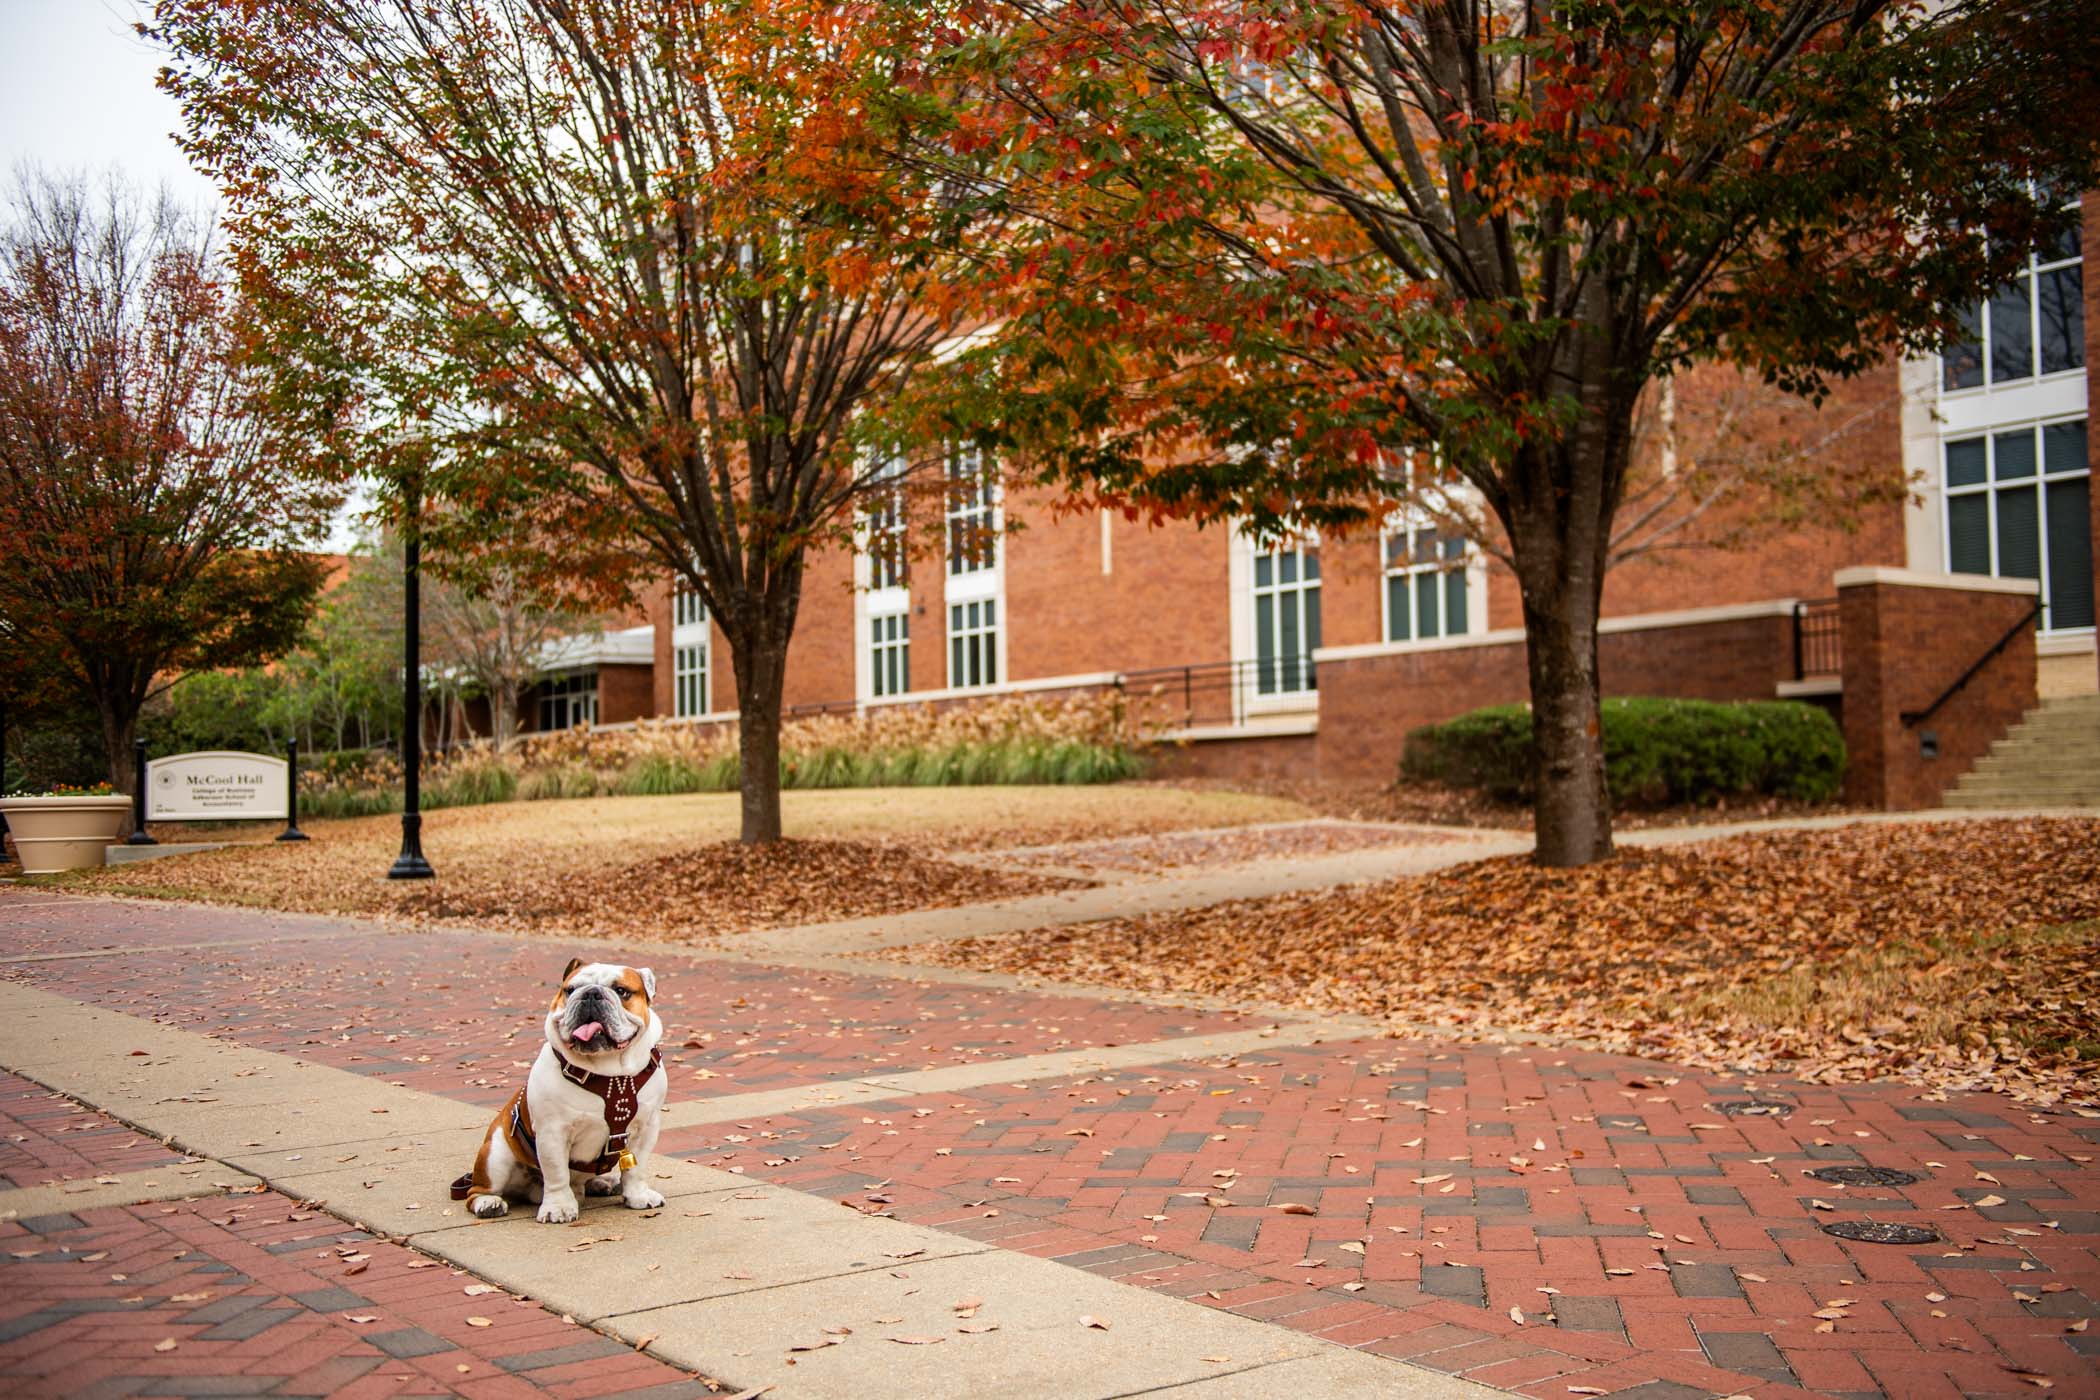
570	970
648	982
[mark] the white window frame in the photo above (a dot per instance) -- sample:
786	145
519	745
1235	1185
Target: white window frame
976	651
1469	562
978	578
888	653
561	686
1991	488
2028	280
1936	415
1247	601
692	662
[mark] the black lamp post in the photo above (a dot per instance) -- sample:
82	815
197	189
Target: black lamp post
410	864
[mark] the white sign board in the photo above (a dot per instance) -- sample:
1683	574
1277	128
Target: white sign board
229	787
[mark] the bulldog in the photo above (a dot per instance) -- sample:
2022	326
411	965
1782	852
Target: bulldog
590	1109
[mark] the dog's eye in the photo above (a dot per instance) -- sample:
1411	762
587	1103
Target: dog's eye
624	993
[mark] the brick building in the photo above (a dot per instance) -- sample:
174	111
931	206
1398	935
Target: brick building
1315	660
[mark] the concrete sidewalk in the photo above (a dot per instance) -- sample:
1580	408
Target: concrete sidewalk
728	1270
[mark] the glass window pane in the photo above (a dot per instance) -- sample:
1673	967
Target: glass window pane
1399	624
1312	566
1396	550
1425	606
2070	554
1965	462
1265	642
2019	535
1287	565
1969	534
1455	601
1264	566
1962	362
2012	334
1312	621
2013	455
2063	447
1292	643
2061	311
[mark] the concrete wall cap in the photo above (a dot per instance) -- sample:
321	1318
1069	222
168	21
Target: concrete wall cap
1865	574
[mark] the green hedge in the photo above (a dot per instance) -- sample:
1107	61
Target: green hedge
1657	752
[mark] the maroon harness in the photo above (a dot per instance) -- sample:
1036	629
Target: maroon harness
621	1094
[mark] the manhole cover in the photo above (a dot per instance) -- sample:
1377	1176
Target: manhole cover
1863	1176
1877	1232
1754	1108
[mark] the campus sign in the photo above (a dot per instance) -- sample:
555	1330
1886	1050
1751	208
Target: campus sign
217	787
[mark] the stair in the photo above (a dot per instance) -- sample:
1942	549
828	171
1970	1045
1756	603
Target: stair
2051	758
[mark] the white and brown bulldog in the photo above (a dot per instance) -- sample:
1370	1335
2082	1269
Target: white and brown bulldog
591	1108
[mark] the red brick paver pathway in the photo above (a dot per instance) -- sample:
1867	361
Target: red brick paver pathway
251	1293
1552	1222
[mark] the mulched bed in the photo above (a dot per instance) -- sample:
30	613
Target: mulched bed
1950	953
701	894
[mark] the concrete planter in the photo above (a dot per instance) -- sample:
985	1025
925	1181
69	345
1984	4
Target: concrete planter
63	833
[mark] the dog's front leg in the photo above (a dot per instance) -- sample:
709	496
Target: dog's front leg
635	1191
558	1196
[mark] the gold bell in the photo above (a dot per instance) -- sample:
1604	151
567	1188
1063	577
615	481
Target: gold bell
626	1161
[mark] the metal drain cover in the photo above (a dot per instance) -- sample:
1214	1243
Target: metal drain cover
1878	1232
1863	1176
1754	1108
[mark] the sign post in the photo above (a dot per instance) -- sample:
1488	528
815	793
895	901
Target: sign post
291	830
138	835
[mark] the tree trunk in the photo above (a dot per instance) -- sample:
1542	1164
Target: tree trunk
503	713
119	730
761	676
1571	807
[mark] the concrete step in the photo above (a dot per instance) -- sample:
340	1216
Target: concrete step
2051	758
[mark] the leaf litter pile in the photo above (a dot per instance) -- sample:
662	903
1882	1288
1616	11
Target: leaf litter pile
702	893
1949	954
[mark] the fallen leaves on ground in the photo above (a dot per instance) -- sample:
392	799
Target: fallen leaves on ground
1438	804
1156	853
557	856
704	893
1955	954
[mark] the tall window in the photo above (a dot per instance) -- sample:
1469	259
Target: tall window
973	643
1425	585
882	517
2034	325
891	653
1286	619
973	541
569	699
689	652
2019	505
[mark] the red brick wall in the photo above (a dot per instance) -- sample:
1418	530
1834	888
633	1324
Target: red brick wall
625	693
1904	645
1234	760
1162	602
1368	704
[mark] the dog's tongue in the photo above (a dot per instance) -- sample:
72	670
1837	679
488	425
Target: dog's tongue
584	1031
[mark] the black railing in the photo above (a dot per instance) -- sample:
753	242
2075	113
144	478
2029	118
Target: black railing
1817	647
1218	692
1913	718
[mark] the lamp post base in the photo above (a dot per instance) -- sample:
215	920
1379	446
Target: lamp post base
410	865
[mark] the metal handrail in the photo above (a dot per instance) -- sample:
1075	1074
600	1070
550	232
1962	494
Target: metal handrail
1912	718
1818	638
1240	680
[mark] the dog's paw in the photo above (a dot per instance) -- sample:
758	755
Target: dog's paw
607	1185
489	1207
644	1198
557	1211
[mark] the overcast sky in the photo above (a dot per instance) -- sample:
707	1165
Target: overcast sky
77	94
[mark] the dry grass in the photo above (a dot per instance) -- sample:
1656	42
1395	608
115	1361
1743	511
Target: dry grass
536	864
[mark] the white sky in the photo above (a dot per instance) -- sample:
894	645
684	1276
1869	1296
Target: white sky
77	94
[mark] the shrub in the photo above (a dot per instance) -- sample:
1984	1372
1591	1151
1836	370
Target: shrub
1656	751
659	775
570	780
471	785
